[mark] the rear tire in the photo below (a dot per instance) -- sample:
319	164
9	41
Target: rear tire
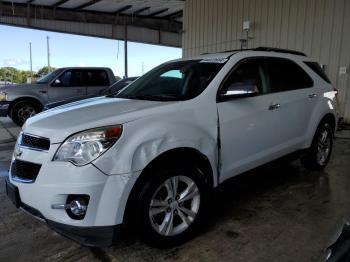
23	110
318	155
171	205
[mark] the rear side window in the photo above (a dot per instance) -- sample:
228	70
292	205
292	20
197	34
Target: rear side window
285	75
318	70
97	78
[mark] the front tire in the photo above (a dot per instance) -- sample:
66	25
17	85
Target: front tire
318	155
23	110
171	205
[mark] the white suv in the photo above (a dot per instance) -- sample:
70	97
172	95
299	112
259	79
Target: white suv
150	155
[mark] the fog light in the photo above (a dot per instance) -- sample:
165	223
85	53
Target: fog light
78	205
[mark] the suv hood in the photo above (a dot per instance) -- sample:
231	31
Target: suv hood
61	122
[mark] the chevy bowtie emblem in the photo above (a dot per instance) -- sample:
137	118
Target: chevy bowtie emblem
18	152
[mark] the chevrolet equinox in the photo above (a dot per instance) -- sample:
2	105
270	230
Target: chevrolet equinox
150	155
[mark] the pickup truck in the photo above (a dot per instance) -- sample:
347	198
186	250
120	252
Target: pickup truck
116	87
20	102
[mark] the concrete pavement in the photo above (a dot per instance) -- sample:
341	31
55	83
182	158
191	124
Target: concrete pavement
8	135
8	130
279	212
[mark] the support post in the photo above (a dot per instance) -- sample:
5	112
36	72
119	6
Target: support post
126	50
31	62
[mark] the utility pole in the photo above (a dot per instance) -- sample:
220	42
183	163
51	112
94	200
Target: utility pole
48	53
31	62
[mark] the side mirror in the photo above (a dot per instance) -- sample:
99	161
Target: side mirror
239	90
57	82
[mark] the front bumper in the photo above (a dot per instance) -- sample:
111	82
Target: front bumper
56	181
101	236
4	106
89	236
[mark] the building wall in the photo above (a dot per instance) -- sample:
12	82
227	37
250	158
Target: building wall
320	28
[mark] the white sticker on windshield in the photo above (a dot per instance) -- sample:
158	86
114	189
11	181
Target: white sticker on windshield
214	60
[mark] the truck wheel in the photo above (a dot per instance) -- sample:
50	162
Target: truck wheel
171	205
23	110
318	155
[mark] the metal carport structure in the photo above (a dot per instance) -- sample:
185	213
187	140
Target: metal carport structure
152	22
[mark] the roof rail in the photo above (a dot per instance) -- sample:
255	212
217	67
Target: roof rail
265	49
279	50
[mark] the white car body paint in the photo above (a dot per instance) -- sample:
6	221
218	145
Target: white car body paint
250	135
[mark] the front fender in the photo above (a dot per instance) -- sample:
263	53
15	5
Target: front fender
137	146
22	93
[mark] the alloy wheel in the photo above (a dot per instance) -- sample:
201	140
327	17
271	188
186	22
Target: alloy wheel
174	206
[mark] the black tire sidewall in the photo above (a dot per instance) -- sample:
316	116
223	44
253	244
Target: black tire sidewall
159	176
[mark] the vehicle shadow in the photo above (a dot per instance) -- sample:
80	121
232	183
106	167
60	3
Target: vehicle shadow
245	195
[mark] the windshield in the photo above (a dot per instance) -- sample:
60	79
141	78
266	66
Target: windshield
173	81
119	85
49	77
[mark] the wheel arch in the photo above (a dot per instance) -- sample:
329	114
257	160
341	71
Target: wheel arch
34	100
330	118
313	126
183	154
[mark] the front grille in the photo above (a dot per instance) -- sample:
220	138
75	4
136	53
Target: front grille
34	142
23	171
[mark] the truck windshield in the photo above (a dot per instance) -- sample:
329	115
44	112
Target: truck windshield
174	81
49	77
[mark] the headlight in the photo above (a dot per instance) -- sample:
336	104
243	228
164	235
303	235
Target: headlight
3	96
84	147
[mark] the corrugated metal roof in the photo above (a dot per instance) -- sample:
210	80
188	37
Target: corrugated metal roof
166	9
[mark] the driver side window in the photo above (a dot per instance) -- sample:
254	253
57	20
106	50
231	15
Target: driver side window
71	78
249	72
65	78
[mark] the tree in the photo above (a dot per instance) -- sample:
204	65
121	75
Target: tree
10	74
44	71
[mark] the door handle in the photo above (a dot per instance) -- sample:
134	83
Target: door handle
312	95
43	91
274	107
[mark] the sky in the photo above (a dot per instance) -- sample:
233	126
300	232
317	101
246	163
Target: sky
74	50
